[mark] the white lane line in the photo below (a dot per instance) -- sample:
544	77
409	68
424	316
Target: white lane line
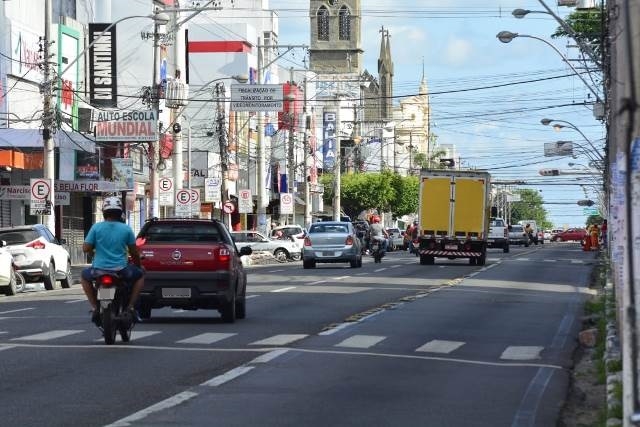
7	347
549	260
522	259
251	296
282	339
16	310
136	335
440	346
160	406
361	341
268	357
44	336
275	271
379	270
521	353
73	301
395	266
206	338
341	277
317	282
575	261
227	376
288	288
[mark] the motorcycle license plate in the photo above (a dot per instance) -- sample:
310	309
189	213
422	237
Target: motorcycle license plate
451	247
106	293
176	292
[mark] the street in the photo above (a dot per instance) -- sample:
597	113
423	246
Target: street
396	343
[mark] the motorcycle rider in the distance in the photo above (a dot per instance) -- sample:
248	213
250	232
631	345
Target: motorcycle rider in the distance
112	242
528	230
377	232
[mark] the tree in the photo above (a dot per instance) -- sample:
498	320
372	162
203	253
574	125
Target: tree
587	26
530	207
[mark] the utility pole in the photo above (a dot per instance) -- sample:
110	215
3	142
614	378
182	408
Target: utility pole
222	141
262	190
307	155
47	122
338	167
155	145
291	181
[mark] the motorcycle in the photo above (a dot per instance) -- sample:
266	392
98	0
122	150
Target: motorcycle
113	298
376	250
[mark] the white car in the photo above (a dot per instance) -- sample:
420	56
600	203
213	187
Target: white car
396	239
282	249
8	279
38	255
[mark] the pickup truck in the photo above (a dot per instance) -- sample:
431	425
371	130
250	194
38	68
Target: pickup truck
498	234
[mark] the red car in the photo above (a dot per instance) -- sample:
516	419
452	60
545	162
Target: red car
191	264
570	234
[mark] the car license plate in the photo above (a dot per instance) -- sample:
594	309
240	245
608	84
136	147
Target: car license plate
176	292
451	247
106	293
490	240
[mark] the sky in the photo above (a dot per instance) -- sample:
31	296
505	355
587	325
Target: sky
487	97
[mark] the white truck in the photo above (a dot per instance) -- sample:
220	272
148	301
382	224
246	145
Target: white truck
498	234
453	215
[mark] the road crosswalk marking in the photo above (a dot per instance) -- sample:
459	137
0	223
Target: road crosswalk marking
361	341
44	336
207	338
283	339
440	346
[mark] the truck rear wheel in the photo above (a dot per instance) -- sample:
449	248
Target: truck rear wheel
426	260
482	259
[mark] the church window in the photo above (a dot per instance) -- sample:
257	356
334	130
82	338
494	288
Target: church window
323	23
345	23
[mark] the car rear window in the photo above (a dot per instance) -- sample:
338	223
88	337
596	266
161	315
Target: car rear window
497	223
181	233
18	237
517	228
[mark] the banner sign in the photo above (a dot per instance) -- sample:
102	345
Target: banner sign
122	173
126	126
23	192
329	140
86	165
85	186
257	97
212	189
103	86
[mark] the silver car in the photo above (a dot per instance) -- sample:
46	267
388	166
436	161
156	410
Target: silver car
333	242
282	249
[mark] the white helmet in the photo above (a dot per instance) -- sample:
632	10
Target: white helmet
112	204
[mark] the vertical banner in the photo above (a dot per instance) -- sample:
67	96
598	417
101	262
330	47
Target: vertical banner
86	165
122	173
329	139
102	66
68	49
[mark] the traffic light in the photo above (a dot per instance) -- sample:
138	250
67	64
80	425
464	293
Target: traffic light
449	163
585	202
549	172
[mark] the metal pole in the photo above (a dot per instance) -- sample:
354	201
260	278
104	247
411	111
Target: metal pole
291	179
307	155
220	92
47	122
262	191
338	168
155	145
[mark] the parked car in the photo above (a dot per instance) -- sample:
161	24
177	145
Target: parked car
8	278
570	234
332	242
396	239
554	232
192	264
547	235
517	236
282	249
38	255
498	234
292	231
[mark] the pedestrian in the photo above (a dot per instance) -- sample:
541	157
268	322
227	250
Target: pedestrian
595	237
603	233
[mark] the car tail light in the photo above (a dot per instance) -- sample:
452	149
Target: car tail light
349	241
106	281
36	244
307	241
224	255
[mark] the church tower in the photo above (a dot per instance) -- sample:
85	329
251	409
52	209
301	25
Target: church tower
385	74
335	37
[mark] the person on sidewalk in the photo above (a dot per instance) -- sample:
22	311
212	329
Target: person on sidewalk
594	233
112	242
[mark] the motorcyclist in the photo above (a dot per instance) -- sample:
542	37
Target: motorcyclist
112	242
377	232
528	230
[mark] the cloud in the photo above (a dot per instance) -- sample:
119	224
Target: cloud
458	52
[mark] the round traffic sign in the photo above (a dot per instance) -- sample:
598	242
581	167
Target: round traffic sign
183	197
40	189
165	184
228	207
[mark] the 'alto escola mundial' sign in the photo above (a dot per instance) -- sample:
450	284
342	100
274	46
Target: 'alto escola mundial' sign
128	126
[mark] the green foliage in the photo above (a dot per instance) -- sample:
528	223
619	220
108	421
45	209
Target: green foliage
588	26
594	219
386	191
530	207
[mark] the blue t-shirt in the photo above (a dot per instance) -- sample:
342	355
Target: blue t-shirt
110	240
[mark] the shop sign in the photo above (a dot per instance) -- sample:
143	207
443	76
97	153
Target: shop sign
128	126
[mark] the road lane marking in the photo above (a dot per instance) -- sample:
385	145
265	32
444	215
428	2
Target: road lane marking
6	347
288	288
16	310
341	278
317	282
73	301
395	266
206	338
361	341
228	376
275	271
160	406
136	335
549	260
269	356
44	336
282	339
575	261
528	408
440	346
379	270
521	352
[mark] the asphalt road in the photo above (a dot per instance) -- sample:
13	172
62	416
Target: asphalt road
395	343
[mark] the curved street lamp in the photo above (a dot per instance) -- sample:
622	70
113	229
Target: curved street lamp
508	36
557	125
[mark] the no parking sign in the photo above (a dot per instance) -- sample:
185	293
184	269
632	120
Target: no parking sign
286	204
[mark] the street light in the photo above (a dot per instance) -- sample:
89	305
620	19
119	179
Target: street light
508	36
557	125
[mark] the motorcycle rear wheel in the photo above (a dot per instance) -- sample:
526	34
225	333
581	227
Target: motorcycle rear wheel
109	325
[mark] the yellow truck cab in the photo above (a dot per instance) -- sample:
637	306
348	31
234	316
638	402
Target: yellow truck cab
453	215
